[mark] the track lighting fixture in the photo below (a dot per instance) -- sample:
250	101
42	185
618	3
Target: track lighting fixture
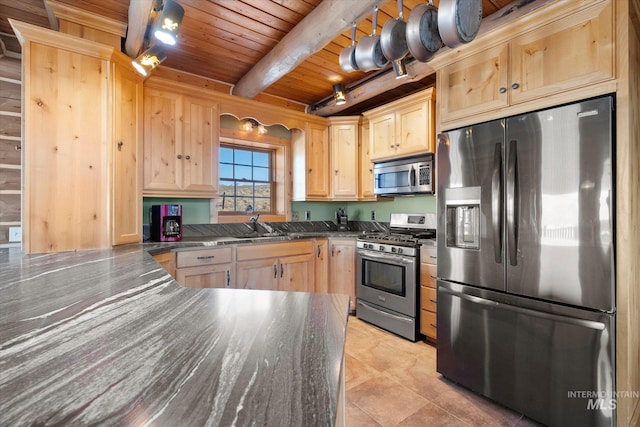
168	22
149	59
339	94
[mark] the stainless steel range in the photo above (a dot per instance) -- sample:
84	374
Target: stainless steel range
387	274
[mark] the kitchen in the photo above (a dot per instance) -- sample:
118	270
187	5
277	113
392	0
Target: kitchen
626	175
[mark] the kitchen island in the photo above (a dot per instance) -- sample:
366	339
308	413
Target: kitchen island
108	337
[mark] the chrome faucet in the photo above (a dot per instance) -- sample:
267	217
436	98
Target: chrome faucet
254	221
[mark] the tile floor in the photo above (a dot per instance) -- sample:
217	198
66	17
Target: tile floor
391	381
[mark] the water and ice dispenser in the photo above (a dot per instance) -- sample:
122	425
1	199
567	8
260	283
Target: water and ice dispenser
463	217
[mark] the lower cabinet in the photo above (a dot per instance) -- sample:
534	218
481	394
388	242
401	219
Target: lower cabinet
428	284
167	260
342	268
321	284
285	266
205	268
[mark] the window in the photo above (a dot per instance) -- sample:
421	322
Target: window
246	180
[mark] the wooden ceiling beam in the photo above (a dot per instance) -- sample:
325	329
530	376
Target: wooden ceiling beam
139	13
329	19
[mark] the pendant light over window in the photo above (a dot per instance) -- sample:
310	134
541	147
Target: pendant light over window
168	22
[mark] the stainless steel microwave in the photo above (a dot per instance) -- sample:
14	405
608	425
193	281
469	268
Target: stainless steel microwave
412	175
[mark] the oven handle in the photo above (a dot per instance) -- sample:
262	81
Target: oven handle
385	257
403	319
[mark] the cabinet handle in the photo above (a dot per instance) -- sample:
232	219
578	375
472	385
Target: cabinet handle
120	144
502	90
515	86
228	279
206	257
275	271
433	277
336	172
18	147
318	251
433	301
431	324
179	156
281	270
433	257
333	249
310	170
188	157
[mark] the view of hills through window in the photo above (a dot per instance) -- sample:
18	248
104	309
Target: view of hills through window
245	180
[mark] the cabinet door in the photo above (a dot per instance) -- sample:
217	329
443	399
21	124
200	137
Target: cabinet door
365	187
296	273
257	274
474	85
317	160
167	260
127	148
382	136
207	276
415	132
344	160
200	148
321	266
569	53
162	141
342	264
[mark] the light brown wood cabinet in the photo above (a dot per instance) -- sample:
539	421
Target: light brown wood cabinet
205	268
181	134
126	205
342	268
573	52
404	127
167	260
311	162
321	281
81	188
344	157
428	294
365	184
284	266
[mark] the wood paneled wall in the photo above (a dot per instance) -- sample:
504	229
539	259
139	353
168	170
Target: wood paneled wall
10	144
628	210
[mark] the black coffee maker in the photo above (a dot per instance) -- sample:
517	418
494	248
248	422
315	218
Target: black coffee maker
342	221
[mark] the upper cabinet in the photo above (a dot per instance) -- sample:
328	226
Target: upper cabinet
566	54
310	150
403	128
344	157
180	144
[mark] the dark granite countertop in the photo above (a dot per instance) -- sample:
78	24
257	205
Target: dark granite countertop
108	337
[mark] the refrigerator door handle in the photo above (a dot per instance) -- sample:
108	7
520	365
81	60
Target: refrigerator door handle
512	205
591	324
496	202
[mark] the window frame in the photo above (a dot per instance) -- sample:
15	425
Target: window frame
237	145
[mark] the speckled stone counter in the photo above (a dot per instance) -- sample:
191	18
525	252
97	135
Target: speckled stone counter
107	337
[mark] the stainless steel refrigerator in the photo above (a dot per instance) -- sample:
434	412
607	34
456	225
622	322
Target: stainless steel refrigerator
526	265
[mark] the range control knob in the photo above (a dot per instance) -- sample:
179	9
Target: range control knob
400	250
381	248
393	249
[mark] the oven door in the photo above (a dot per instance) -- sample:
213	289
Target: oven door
387	280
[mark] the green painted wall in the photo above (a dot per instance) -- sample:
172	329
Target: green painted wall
361	211
194	211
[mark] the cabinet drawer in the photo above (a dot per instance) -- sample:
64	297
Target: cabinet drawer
274	250
428	254
428	323
203	257
428	275
428	298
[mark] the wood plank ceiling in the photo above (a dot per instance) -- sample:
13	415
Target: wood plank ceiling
223	39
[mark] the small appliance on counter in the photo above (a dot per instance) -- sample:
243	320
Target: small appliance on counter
342	220
166	223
